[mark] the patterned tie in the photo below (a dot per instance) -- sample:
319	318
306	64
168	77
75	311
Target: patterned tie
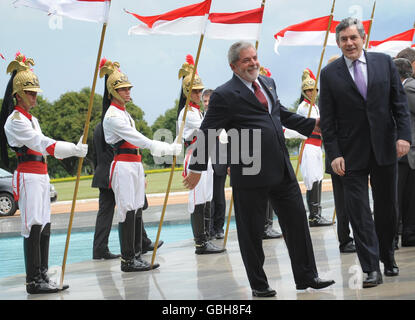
359	79
260	96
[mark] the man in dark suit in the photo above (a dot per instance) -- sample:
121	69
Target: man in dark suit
247	107
365	126
102	157
406	164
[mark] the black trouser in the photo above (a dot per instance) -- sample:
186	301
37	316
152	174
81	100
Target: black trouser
406	200
250	211
218	204
343	230
374	239
104	221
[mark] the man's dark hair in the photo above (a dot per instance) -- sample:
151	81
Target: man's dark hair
207	92
348	22
404	67
407	53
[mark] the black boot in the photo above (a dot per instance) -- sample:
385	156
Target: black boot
126	232
138	236
203	246
34	281
44	257
313	197
207	216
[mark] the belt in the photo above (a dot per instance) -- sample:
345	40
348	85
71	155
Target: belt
126	151
30	157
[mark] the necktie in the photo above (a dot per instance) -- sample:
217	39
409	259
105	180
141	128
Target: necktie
359	79
260	96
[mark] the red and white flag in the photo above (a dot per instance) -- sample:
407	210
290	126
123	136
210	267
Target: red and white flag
182	21
310	33
413	46
87	10
394	44
244	25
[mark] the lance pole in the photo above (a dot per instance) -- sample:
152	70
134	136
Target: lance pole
84	140
313	98
370	26
179	138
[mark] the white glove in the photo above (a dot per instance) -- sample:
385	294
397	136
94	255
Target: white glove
160	148
65	149
223	137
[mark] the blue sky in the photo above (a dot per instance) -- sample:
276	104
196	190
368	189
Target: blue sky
65	57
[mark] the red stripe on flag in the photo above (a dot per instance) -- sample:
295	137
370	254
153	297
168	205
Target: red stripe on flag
1	56
249	16
198	9
317	24
404	36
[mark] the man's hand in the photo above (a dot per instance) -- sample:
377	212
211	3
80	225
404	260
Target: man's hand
191	180
317	126
402	147
338	166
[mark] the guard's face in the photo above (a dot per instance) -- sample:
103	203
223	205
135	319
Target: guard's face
125	93
196	95
30	100
247	67
351	43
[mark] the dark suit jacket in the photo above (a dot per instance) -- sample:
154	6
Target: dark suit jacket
234	107
409	88
102	159
351	126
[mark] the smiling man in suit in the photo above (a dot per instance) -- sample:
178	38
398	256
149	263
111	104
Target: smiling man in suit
247	107
365	126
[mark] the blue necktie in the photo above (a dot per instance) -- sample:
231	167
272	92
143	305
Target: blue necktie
359	79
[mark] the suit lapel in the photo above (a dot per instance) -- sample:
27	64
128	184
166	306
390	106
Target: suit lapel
269	90
345	74
370	70
246	94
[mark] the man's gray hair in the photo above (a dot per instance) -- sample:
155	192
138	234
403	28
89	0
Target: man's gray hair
235	50
404	67
407	53
348	22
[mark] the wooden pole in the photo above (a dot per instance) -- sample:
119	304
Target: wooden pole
231	203
370	26
313	99
225	239
179	138
84	140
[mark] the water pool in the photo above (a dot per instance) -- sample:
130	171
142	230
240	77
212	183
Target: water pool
80	246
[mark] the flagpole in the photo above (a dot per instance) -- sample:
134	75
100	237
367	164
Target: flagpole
257	42
84	141
313	98
370	25
225	239
179	138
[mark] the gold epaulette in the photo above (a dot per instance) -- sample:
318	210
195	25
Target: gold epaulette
16	116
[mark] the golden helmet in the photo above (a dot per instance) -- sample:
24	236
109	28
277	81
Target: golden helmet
264	71
25	79
185	72
308	80
116	79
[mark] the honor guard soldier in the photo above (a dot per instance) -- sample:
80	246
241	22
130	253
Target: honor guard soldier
31	180
200	197
126	173
311	165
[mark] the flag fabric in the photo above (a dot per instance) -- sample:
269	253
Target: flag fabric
243	25
310	33
86	10
394	44
182	21
1	56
